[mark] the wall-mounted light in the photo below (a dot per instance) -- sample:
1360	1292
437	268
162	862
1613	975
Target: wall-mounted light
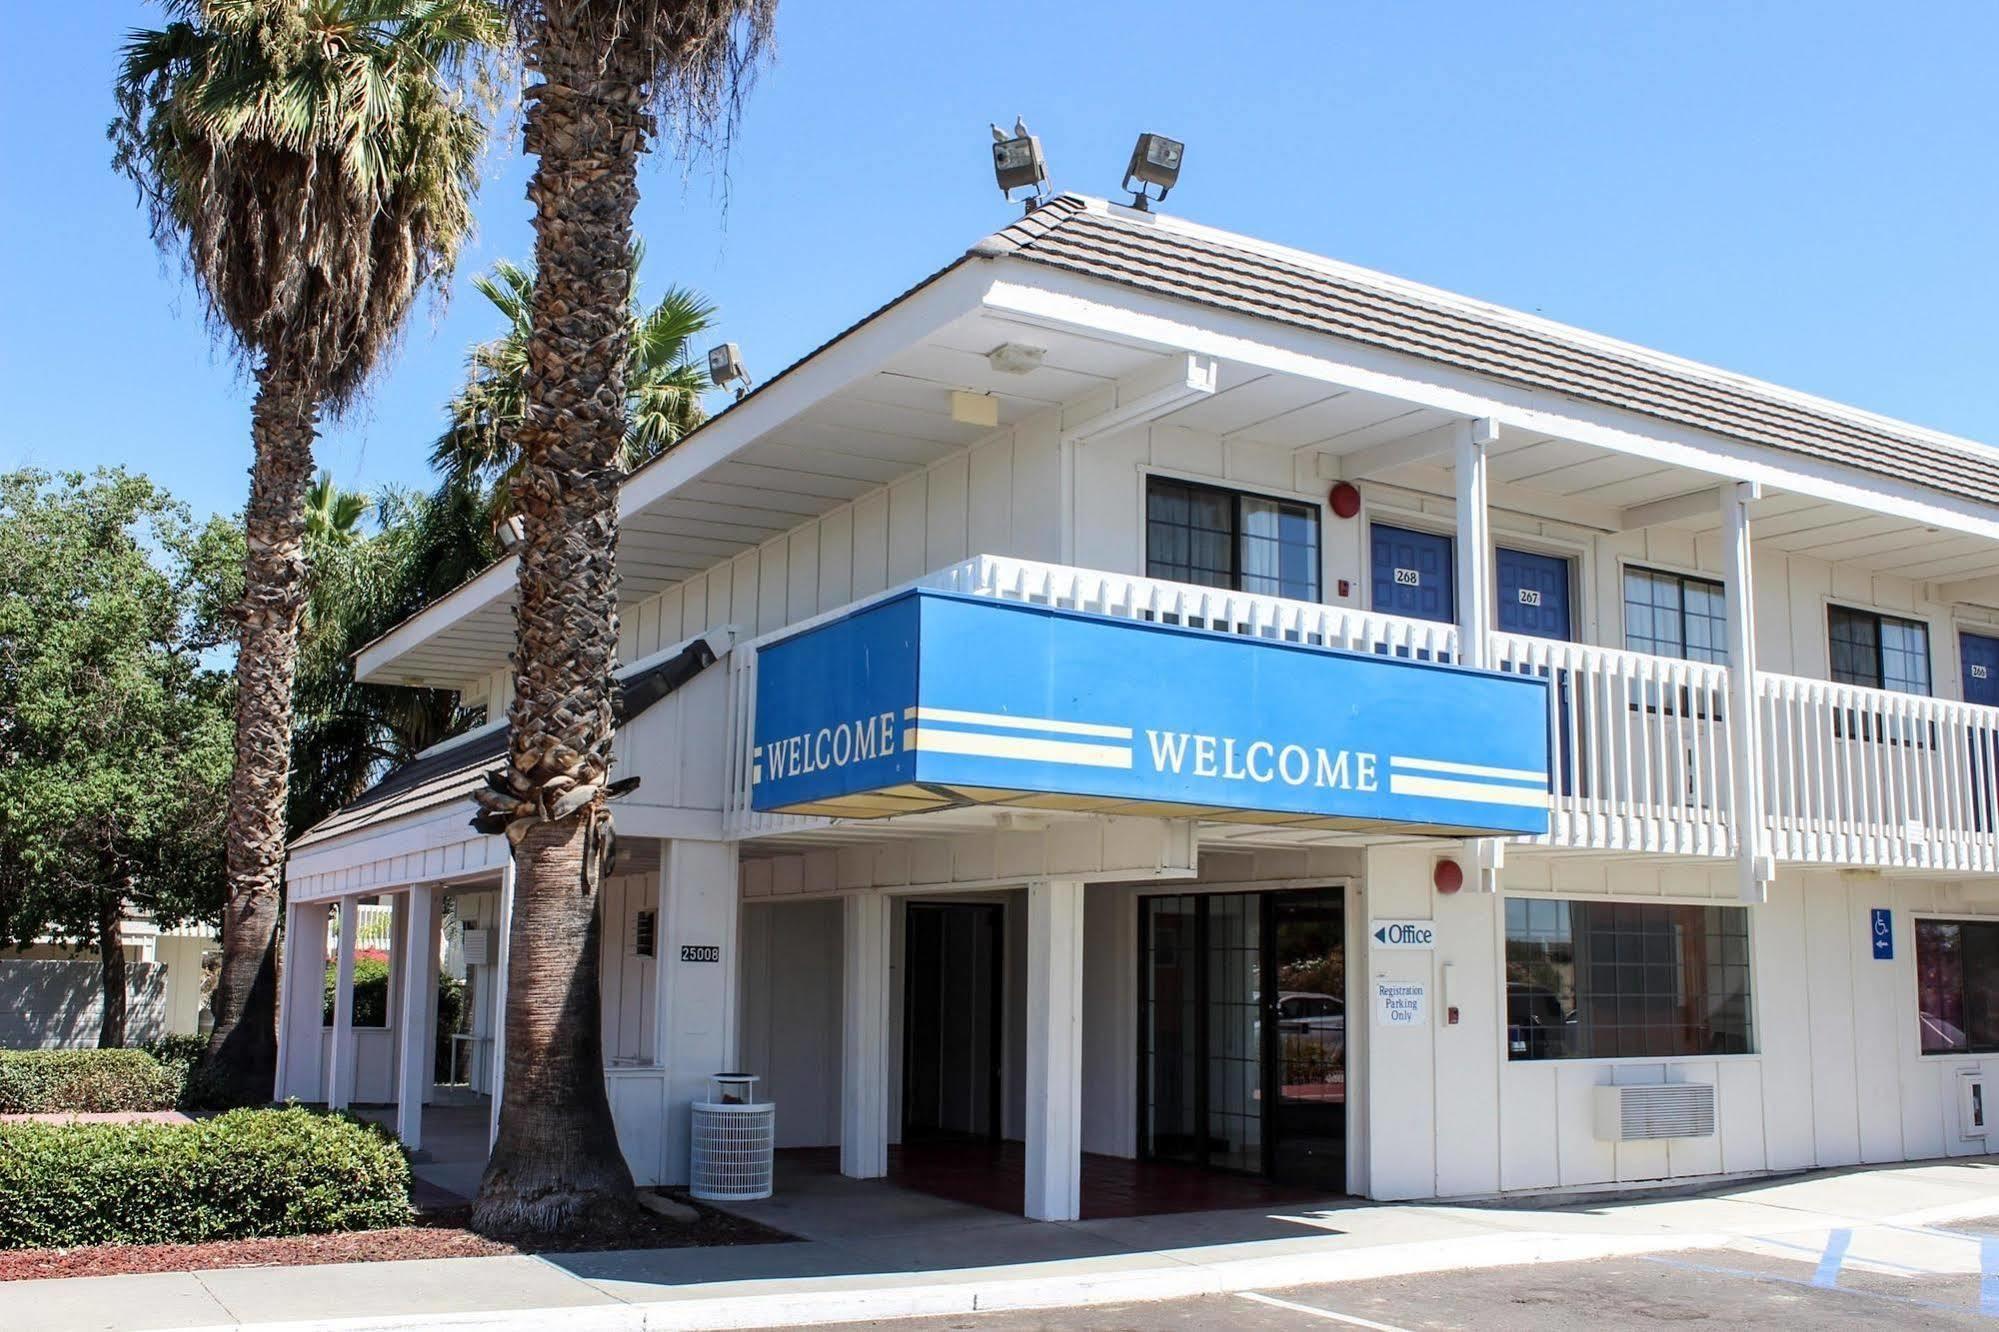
1155	162
509	531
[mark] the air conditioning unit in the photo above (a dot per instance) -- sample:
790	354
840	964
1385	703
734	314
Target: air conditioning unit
1654	1111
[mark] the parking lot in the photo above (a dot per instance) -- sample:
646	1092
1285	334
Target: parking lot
1873	1277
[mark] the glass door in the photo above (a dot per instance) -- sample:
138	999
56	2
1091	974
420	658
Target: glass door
1305	1038
1236	1074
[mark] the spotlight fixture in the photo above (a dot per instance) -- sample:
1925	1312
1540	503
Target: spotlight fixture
1018	164
509	532
1155	160
725	366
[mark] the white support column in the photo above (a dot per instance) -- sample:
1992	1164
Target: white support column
1477	594
417	943
1474	543
864	990
1756	867
340	1063
505	925
699	896
1054	1050
301	1009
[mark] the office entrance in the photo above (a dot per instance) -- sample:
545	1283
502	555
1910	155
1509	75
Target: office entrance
1242	1033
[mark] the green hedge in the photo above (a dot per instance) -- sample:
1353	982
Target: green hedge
51	1081
241	1175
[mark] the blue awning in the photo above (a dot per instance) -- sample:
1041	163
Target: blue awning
929	700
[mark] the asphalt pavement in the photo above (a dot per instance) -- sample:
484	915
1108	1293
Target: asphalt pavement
1936	1277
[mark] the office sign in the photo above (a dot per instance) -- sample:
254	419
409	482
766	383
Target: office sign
932	699
1403	933
1400	1003
1881	930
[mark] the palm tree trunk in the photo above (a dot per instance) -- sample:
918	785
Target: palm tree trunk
557	1157
111	964
243	1049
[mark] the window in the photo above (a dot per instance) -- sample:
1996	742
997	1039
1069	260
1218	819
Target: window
1597	980
1957	985
1219	538
1880	651
1672	615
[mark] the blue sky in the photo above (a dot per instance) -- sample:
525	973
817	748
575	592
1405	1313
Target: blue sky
1801	191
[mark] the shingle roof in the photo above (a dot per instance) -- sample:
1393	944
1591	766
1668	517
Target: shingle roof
1069	233
455	769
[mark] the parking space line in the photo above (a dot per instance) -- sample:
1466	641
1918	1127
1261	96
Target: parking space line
1836	1245
1988	1276
1316	1312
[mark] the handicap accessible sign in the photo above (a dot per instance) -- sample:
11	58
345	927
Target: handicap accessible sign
1881	929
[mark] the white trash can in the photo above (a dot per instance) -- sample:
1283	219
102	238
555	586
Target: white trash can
732	1137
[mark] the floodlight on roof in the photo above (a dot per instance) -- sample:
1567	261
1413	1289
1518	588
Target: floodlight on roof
1155	161
725	366
1018	163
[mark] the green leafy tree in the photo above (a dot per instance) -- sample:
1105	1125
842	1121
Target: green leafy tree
114	729
663	384
313	164
601	70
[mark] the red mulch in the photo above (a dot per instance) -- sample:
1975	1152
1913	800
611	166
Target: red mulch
435	1235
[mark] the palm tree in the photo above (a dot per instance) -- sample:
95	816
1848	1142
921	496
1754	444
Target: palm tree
332	515
312	163
347	733
603	69
663	384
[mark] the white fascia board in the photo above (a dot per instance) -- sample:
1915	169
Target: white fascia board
430	829
1035	294
853	358
494	584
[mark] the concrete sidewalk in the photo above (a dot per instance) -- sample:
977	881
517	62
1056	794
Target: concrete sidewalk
867	1250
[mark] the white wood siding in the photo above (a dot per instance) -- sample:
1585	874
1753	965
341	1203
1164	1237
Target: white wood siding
1837	1077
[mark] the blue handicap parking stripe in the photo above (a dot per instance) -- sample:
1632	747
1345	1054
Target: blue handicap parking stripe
1835	1254
1988	1275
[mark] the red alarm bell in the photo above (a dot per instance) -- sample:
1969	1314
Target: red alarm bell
1449	876
1345	499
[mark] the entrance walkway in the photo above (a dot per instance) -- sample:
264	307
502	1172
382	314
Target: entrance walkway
455	1128
994	1175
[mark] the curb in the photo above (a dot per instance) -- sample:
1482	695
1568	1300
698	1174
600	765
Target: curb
1163	1277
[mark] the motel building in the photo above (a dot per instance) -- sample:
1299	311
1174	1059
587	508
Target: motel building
1149	712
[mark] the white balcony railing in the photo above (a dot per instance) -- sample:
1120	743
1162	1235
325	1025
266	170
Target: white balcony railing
1640	745
1855	776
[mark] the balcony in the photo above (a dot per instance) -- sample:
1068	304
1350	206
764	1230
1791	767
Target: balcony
1639	748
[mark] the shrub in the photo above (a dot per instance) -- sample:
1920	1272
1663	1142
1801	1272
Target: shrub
245	1174
185	1048
53	1081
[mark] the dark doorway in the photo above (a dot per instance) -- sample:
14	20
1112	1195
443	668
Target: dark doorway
951	1020
1242	1033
